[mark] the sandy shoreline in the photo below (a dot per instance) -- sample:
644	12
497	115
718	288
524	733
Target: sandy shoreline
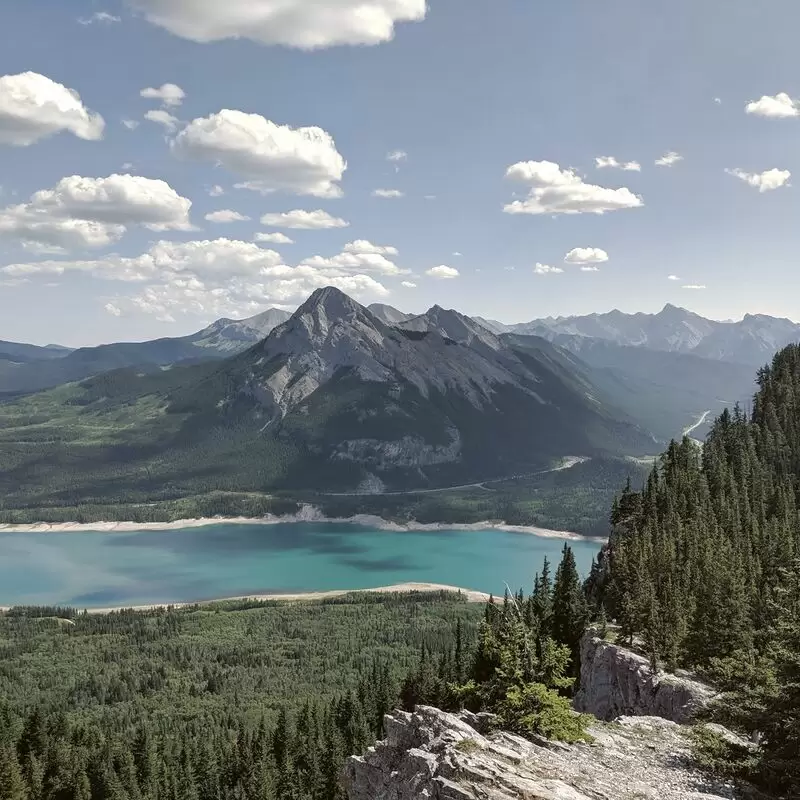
308	514
472	596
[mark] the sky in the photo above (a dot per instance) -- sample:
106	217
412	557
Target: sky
164	163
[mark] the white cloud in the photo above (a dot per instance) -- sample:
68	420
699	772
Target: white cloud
356	262
763	181
130	124
693	286
222	277
673	277
718	101
113	309
586	255
408	285
397	155
293	23
33	107
781	106
99	16
590	268
606	162
216	191
669	159
226	215
273	238
429	197
360	256
443	272
557	191
546	269
94	212
169	94
363	246
303	220
162	117
457	254
270	157
387	193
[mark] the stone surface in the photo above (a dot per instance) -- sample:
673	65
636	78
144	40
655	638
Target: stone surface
616	681
432	755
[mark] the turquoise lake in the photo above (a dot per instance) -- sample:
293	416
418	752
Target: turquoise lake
90	569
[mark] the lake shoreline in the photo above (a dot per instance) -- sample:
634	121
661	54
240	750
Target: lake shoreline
308	514
471	595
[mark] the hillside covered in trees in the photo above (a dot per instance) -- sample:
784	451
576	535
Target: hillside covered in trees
703	566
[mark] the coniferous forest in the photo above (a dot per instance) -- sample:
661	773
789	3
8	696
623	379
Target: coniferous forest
703	567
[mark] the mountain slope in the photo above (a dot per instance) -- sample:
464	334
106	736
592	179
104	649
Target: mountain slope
22	353
663	391
332	399
389	314
220	339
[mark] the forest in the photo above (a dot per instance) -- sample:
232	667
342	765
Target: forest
703	568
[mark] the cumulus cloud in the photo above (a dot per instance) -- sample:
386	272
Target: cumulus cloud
216	191
210	277
94	212
113	309
269	156
779	106
586	255
763	181
273	238
387	193
694	286
669	159
397	155
33	107
365	246
162	117
293	23
169	94
609	162
546	269
130	124
673	277
226	215
590	268
562	191
408	285
443	272
303	220
102	17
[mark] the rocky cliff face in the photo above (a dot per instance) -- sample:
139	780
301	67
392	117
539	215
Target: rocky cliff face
438	756
616	681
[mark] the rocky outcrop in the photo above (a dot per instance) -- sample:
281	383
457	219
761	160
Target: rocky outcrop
616	681
432	755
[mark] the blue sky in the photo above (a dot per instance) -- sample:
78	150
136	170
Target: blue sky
465	89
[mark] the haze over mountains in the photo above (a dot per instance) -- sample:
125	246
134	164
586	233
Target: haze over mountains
752	340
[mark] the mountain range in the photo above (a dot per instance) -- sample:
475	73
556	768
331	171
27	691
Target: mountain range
752	340
334	398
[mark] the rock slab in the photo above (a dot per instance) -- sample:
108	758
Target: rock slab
433	755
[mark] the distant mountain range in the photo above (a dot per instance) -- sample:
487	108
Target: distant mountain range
27	368
753	340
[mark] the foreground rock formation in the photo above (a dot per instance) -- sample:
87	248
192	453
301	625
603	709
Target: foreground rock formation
644	754
616	681
438	756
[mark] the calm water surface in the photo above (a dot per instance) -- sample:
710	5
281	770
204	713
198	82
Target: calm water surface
97	569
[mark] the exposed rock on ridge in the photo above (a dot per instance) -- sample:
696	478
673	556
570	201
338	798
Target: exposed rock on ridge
439	756
617	681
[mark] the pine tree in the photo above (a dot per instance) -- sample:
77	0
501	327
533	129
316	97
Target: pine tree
12	786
